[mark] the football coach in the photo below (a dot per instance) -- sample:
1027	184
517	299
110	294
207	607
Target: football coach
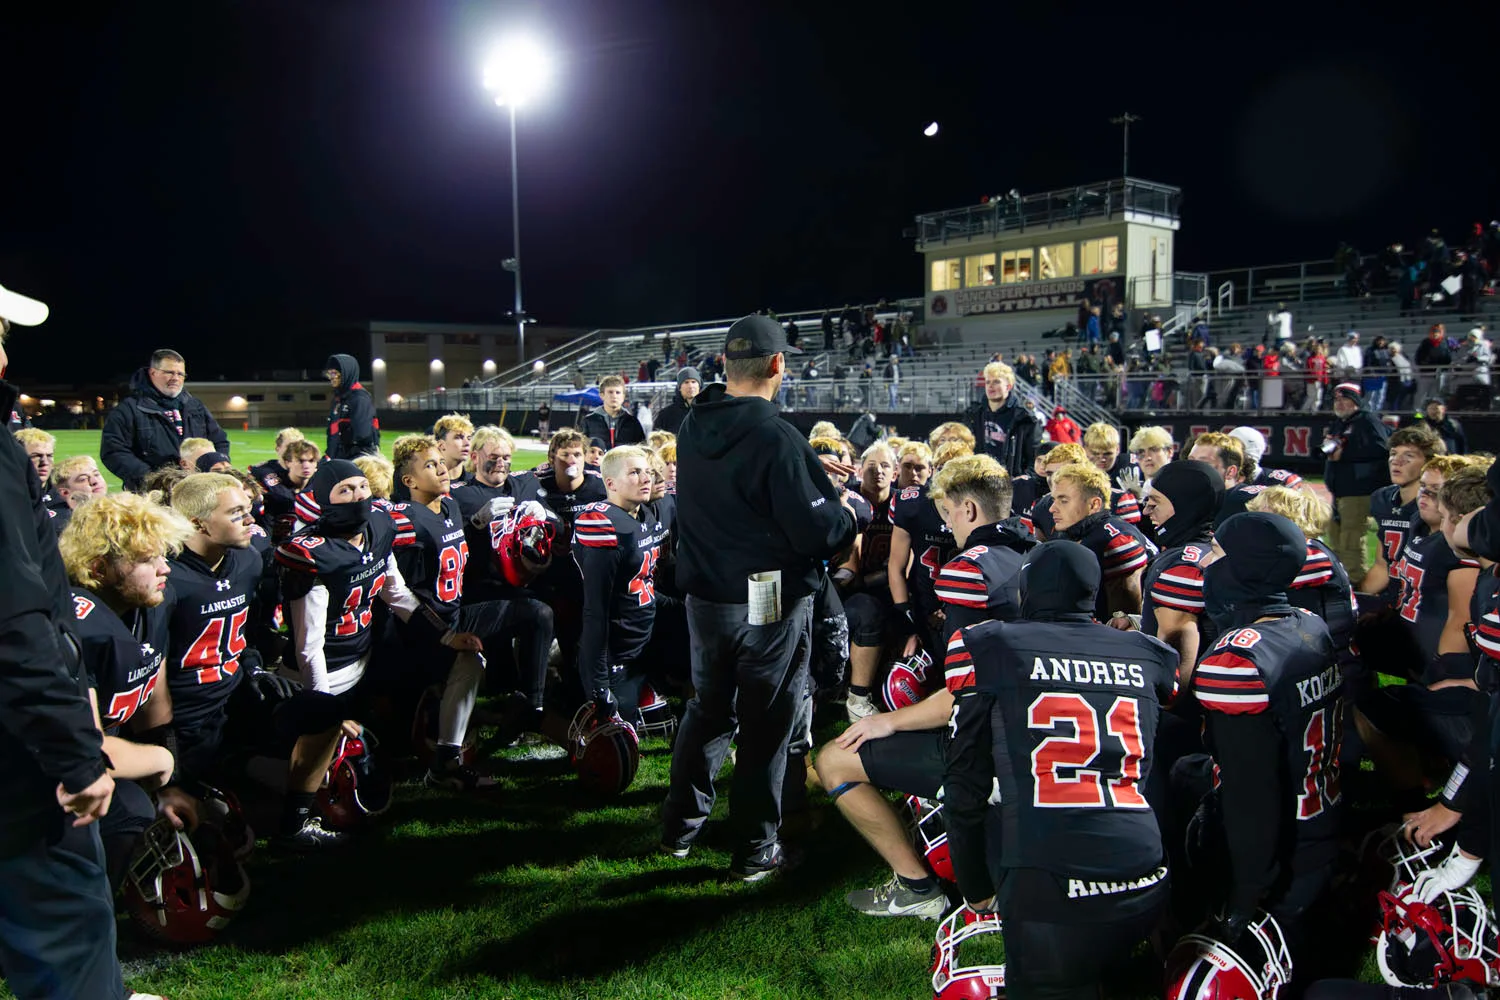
752	499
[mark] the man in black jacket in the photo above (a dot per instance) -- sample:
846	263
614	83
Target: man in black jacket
147	429
1003	427
353	428
613	423
753	499
57	925
1355	444
671	416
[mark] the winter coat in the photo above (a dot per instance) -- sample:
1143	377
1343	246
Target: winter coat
141	434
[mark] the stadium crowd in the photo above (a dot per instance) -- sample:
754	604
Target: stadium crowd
1121	690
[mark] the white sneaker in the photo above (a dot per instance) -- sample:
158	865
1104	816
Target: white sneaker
859	706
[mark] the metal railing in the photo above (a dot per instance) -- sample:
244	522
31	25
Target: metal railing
1103	200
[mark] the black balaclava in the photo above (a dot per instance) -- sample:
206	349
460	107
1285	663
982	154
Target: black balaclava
1263	553
1195	489
337	519
1059	582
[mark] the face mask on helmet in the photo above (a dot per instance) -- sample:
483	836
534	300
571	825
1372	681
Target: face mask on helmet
656	714
930	834
357	786
906	681
954	981
184	889
523	542
1431	944
1255	967
606	755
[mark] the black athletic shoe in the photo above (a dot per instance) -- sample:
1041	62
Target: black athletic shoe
763	863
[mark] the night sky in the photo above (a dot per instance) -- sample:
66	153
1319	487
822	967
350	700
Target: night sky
244	180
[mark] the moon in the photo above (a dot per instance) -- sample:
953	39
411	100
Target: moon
931	130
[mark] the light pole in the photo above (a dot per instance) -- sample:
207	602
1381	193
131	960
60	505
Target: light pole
516	71
1127	119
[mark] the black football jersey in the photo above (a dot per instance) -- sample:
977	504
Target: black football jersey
431	551
1323	588
207	630
1278	477
982	582
1174	579
1121	549
482	577
269	474
1237	498
541	484
932	545
1423	570
1068	713
863	512
1025	491
353	575
617	555
1286	667
123	656
1395	525
1484	617
875	540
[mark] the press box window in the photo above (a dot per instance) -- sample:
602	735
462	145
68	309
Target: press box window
1015	265
1099	256
979	270
1056	261
947	275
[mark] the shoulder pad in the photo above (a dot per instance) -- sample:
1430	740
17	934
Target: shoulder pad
594	528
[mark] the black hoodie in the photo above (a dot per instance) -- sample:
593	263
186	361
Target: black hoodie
142	433
353	427
751	497
1361	467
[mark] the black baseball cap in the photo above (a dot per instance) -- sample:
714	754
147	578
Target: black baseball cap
765	335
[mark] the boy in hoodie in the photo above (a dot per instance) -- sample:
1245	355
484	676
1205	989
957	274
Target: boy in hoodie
1273	708
752	498
353	428
1058	716
147	429
1185	496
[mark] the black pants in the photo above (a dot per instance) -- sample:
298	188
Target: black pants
130	812
57	919
1053	959
753	677
529	622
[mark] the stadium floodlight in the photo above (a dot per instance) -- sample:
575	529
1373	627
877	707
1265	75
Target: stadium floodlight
518	69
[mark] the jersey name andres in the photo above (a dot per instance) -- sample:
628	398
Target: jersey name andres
432	551
353	576
617	555
1423	574
932	544
123	658
207	629
1395	523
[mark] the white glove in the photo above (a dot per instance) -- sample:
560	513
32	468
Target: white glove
493	511
1132	480
1455	872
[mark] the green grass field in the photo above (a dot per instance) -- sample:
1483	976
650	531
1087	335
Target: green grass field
542	892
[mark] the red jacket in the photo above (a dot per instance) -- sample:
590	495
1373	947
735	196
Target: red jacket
1064	430
1317	369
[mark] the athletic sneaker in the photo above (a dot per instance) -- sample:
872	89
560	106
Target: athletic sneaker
457	776
678	849
896	899
311	836
859	706
765	862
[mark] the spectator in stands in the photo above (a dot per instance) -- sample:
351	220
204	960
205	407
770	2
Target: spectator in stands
1378	362
1481	355
689	382
1349	360
1434	353
1355	444
1061	369
1093	331
642	373
827	323
1062	428
1002	426
792	333
1117	321
1199	365
1471	272
1435	413
1291	370
1229	371
1278	325
1026	369
1089	368
1400	385
892	374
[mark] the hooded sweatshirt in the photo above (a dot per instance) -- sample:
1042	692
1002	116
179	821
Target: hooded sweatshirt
751	497
353	427
1174	579
1023	687
1361	467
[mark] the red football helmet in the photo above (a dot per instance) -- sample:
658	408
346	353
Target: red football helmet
522	541
1406	859
424	730
183	892
1451	939
951	981
656	714
1256	967
906	681
356	786
931	835
221	810
606	754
